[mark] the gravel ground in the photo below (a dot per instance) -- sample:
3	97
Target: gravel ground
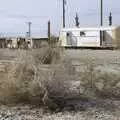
97	110
103	60
98	57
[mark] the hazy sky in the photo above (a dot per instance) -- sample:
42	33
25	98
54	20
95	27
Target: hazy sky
14	14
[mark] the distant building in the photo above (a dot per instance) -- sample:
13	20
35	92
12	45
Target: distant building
3	42
90	37
22	42
39	42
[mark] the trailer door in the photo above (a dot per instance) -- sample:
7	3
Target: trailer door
71	39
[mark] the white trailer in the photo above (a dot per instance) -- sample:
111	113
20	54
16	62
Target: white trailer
89	37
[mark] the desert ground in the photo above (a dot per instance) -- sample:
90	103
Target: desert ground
103	58
104	61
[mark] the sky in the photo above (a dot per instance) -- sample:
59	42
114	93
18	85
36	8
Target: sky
15	14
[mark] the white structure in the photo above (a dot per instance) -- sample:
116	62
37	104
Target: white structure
11	42
19	42
29	42
90	37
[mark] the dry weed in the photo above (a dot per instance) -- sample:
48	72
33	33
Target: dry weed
44	77
98	83
36	79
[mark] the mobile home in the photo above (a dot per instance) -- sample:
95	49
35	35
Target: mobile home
90	37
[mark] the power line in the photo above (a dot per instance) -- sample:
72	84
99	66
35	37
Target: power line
26	17
22	16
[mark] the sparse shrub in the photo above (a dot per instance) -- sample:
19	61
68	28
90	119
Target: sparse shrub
47	55
98	83
36	79
53	41
44	77
109	82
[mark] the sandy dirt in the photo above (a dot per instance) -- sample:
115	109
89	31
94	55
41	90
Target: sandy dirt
105	60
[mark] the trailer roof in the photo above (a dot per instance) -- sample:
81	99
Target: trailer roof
90	28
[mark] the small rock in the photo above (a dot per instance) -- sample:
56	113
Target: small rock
99	86
118	85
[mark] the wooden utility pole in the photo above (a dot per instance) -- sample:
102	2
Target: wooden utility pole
101	21
110	19
49	31
64	2
101	18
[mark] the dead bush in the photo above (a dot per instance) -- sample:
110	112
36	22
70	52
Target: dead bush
99	83
44	77
36	79
47	55
107	84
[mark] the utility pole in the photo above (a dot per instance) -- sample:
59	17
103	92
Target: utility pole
63	13
110	19
29	29
101	21
49	31
101	18
77	20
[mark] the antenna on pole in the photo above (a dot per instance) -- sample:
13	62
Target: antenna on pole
64	3
77	20
29	29
110	19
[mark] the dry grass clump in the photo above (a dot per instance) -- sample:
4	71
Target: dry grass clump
44	77
99	83
36	79
46	55
108	85
21	81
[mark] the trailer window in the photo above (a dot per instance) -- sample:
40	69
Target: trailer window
68	34
82	33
